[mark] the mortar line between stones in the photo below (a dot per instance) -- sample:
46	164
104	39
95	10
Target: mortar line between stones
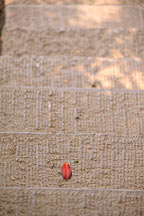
73	134
73	89
71	189
58	58
72	5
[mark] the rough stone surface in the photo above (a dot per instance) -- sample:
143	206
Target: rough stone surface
75	72
51	111
74	17
95	43
97	161
70	202
92	2
72	111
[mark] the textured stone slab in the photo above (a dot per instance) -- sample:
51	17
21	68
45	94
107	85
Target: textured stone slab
65	2
72	110
85	42
97	161
71	202
79	72
74	17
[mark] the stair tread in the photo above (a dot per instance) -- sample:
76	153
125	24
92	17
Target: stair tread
78	72
74	16
110	161
69	2
70	202
71	110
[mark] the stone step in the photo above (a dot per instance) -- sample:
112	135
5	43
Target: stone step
61	202
93	42
72	110
74	16
69	2
97	161
79	72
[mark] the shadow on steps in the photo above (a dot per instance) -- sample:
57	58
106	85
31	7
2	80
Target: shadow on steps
2	21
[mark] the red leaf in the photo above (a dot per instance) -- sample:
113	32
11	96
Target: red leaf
66	171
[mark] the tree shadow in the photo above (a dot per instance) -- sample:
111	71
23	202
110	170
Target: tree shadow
86	32
2	21
127	71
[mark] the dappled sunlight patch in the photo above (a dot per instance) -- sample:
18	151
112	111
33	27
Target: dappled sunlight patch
91	17
138	78
113	76
116	53
125	81
88	16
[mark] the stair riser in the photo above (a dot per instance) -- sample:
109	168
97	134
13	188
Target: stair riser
95	43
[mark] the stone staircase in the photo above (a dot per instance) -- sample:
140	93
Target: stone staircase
71	89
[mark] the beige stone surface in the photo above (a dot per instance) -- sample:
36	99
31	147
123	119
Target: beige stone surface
43	123
44	2
70	202
55	32
74	17
70	31
75	72
97	161
95	43
71	110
